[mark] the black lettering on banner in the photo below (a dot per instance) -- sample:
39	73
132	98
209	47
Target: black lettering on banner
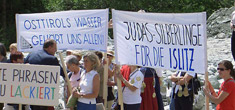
138	31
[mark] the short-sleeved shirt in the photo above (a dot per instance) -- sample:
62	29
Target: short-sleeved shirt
133	97
228	103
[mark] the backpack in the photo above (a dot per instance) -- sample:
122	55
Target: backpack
196	84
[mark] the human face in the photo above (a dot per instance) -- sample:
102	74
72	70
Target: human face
52	49
79	57
110	57
70	67
223	71
88	64
12	50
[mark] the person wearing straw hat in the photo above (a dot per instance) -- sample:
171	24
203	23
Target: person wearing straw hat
111	82
77	53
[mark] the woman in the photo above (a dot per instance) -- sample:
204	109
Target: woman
89	83
225	98
13	48
3	53
132	87
75	71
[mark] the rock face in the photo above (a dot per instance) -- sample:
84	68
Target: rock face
218	24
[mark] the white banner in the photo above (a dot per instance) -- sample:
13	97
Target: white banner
29	84
162	40
74	30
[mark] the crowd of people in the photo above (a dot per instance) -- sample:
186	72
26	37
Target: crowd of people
88	78
140	85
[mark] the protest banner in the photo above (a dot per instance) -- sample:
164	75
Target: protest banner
161	40
73	30
29	84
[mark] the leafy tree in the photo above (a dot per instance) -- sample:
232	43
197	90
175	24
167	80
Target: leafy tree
9	8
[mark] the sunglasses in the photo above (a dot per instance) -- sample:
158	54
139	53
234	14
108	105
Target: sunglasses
109	55
221	69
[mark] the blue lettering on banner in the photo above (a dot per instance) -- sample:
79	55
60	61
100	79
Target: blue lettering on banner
40	39
92	22
157	56
47	93
146	55
182	60
96	39
31	92
136	58
74	38
27	24
47	23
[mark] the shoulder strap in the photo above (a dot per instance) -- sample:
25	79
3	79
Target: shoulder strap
129	79
70	74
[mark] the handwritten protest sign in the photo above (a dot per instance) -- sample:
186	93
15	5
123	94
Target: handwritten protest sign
76	29
29	84
168	41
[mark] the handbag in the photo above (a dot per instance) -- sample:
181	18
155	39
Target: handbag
72	101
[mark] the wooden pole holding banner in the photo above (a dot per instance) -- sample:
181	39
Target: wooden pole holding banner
65	73
119	85
20	106
105	87
120	96
206	86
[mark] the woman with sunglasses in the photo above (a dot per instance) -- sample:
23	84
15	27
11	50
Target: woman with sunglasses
225	99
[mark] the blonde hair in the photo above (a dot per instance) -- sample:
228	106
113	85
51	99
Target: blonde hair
13	45
93	58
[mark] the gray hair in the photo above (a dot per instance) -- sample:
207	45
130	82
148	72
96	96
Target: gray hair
93	58
71	59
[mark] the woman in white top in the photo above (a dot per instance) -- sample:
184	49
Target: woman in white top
89	83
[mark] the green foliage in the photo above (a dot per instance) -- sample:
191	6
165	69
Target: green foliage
8	35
